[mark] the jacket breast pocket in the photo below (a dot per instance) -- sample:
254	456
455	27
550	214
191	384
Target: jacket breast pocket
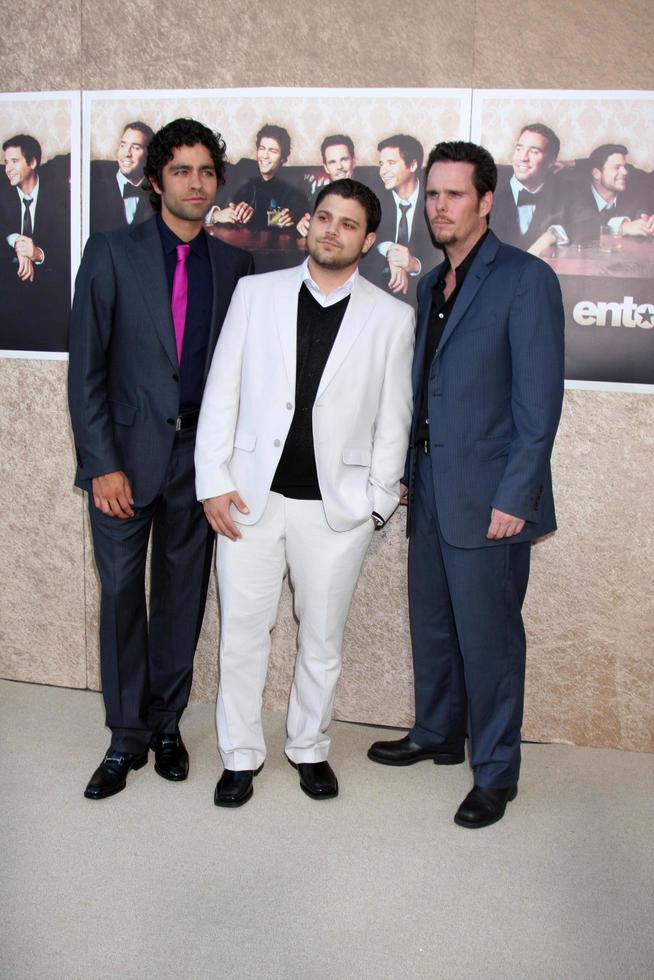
357	457
121	413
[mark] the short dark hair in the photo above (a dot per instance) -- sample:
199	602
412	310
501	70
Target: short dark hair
140	127
28	146
337	140
484	174
409	147
181	132
355	191
600	154
553	141
276	133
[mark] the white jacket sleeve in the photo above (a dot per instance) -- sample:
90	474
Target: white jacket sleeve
214	442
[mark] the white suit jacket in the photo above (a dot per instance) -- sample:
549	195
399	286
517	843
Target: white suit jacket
361	415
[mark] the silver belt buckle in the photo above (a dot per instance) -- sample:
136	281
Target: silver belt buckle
178	424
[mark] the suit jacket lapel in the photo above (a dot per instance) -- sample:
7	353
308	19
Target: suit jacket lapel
477	272
361	305
147	257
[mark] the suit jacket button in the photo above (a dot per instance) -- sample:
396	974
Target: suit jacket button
175	377
170	421
277	442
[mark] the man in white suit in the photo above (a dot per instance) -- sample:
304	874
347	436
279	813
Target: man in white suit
300	448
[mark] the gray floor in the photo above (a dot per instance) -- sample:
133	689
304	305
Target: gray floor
157	883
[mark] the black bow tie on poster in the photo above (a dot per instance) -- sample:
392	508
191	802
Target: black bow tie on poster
526	197
129	190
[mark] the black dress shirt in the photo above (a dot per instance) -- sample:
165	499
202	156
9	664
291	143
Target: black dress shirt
198	312
438	316
317	327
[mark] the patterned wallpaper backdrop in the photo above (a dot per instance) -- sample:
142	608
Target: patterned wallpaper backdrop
238	114
39	115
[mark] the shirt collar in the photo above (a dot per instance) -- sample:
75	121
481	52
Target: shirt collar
517	186
602	205
413	200
462	268
122	180
170	241
304	277
34	194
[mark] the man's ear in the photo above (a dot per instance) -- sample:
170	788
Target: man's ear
368	242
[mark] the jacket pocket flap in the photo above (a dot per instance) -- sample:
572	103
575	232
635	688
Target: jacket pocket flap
245	440
357	457
122	413
492	448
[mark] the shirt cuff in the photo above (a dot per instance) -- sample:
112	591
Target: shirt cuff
560	234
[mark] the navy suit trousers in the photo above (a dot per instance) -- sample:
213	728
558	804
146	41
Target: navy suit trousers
468	641
147	662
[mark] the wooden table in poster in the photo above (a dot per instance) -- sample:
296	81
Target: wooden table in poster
272	248
633	260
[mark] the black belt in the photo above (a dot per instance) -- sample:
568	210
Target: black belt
189	420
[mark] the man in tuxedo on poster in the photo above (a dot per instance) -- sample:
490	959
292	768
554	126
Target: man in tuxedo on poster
403	240
338	161
530	203
34	247
119	196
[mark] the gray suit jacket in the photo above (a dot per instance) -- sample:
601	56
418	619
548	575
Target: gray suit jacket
123	378
495	394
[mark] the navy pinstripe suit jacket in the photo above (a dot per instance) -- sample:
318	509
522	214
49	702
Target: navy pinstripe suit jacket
495	395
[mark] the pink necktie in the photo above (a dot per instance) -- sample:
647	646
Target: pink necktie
179	297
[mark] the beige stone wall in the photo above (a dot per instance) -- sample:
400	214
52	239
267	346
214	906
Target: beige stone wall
589	611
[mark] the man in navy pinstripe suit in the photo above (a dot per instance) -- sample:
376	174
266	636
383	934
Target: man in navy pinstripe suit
488	387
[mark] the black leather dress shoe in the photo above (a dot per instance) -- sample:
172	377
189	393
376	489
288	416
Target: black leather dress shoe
234	788
317	779
111	775
170	756
482	807
404	752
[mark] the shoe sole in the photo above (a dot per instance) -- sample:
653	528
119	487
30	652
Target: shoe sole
438	758
232	804
319	796
91	795
484	823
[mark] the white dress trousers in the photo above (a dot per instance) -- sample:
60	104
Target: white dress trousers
323	565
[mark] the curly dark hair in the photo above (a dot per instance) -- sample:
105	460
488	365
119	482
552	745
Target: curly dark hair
276	133
181	132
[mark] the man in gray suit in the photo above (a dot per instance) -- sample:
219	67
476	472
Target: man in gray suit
149	303
488	386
